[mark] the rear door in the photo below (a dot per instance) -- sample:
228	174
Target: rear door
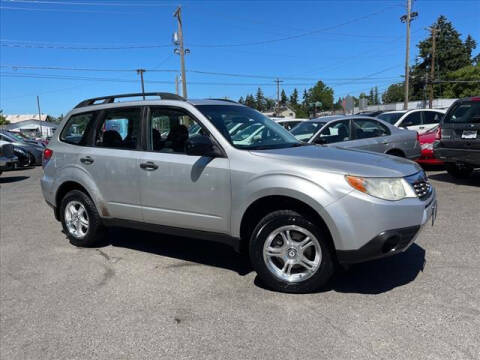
111	159
369	134
412	121
461	126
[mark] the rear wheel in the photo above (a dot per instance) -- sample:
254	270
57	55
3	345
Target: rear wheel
80	220
291	254
459	171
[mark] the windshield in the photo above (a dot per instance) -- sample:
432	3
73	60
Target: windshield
392	118
466	112
246	128
305	130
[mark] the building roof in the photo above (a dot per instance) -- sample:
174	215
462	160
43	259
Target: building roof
15	118
30	124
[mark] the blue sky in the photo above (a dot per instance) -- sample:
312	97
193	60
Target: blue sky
350	45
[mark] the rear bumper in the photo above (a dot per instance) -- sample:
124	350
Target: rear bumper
467	156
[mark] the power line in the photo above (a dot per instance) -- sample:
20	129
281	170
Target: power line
11	44
99	3
31	67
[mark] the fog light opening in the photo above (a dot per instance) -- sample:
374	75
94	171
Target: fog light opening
390	245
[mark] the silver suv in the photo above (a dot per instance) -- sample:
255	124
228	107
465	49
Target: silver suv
183	167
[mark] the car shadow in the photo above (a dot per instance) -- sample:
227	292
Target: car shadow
11	179
377	276
472	180
185	249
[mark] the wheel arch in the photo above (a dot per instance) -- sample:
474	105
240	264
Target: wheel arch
269	203
395	152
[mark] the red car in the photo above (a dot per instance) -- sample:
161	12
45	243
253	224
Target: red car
426	143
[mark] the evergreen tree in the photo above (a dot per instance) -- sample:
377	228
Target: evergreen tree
371	97
260	100
241	100
376	100
250	101
451	54
294	98
283	98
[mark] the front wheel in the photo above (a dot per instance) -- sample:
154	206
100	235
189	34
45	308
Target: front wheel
459	171
290	253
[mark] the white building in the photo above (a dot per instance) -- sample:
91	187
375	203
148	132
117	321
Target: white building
30	124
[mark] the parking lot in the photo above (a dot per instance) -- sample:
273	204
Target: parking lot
144	295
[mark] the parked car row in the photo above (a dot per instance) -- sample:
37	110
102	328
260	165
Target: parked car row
28	151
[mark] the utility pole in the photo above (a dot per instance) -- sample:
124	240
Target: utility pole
38	106
176	84
407	19
178	40
432	66
141	71
278	81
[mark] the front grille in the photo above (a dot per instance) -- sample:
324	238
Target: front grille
420	185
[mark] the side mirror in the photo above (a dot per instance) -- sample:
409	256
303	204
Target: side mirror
201	145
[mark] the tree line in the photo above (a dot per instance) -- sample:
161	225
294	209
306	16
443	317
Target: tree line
454	61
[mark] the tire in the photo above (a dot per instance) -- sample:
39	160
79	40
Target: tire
459	171
283	271
74	226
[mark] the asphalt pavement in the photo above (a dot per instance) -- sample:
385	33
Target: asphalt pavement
152	296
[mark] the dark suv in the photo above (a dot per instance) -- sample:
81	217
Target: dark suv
459	137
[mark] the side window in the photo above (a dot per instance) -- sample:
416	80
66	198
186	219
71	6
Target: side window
431	117
120	128
412	119
76	128
366	128
335	132
170	129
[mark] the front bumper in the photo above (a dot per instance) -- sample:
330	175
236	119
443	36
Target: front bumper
392	241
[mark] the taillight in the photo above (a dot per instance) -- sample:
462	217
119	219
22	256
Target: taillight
47	154
438	135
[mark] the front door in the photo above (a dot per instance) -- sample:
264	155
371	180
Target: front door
177	189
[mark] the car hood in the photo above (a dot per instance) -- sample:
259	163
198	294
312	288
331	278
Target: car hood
343	161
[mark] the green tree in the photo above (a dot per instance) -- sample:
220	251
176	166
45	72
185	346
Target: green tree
250	101
451	54
321	92
3	119
393	94
376	99
269	103
283	98
260	100
241	100
294	98
460	90
371	97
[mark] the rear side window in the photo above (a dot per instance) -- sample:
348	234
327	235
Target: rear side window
464	113
366	128
76	129
335	132
412	119
120	128
432	117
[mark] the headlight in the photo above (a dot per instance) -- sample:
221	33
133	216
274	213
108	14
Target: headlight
382	188
428	146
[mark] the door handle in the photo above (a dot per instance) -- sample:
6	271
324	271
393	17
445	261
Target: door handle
149	166
422	127
87	160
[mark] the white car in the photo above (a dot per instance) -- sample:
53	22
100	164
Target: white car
287	123
420	120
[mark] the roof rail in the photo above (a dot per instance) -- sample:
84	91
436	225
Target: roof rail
111	98
227	100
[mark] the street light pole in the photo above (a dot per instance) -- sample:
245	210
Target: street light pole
432	69
38	106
